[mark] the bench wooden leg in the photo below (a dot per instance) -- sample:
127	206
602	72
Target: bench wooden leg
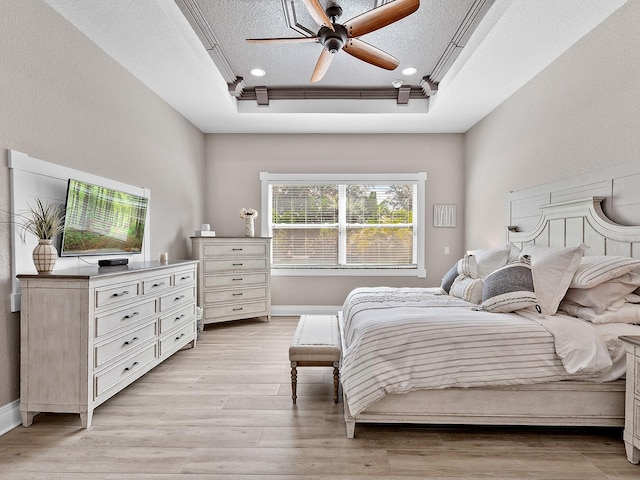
336	381
294	380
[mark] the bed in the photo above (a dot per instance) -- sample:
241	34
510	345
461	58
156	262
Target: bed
470	352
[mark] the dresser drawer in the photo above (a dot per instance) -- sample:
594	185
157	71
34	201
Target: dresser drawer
156	284
243	310
234	265
237	250
113	295
172	320
235	295
124	317
177	297
120	372
637	372
123	344
184	278
636	421
239	279
177	339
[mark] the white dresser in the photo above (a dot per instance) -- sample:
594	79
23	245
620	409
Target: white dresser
87	333
233	277
632	402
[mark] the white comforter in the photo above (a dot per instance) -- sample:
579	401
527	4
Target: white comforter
402	339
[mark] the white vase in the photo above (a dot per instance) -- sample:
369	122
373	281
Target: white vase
248	226
44	256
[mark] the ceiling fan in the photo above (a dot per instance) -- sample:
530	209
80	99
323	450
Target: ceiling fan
335	36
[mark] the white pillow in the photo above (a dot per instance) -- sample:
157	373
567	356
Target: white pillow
508	289
628	313
491	259
593	270
611	293
552	268
468	289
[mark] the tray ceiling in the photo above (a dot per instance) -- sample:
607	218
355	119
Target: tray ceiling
192	53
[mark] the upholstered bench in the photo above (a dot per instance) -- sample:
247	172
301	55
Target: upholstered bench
316	343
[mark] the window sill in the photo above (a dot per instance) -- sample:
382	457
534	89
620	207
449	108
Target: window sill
348	272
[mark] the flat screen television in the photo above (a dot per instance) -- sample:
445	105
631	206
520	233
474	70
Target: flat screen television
102	221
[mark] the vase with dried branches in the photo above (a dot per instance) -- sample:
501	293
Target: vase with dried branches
44	221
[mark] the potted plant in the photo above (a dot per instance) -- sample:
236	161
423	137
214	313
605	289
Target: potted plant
45	221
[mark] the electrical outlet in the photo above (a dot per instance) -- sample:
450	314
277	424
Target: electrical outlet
446	250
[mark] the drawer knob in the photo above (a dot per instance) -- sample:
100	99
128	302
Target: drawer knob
134	314
238	264
180	336
129	342
179	317
124	292
237	309
185	278
237	249
158	284
133	365
178	298
236	294
237	279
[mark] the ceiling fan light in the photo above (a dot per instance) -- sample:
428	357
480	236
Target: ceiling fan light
258	72
409	71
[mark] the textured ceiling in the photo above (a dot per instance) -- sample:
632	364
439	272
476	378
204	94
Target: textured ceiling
418	40
155	41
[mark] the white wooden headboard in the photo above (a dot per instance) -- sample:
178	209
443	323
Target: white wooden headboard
570	223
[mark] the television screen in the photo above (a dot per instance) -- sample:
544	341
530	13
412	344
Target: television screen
102	221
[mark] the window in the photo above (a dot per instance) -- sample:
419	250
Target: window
358	224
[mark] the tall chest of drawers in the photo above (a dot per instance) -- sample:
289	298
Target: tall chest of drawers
233	277
632	400
87	333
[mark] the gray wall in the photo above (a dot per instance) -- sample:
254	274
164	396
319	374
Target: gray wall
63	100
235	161
580	114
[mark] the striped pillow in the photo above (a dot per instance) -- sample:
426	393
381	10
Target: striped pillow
508	289
596	269
466	288
465	266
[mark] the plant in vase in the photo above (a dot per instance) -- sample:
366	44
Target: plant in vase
45	221
249	215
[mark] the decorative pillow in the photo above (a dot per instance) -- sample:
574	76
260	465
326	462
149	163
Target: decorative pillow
593	270
468	289
508	289
609	294
628	313
465	266
489	260
553	268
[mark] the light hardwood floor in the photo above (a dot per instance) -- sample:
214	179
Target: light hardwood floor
223	411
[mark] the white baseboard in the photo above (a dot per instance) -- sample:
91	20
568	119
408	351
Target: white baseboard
10	417
297	310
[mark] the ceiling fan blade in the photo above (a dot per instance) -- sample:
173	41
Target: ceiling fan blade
370	54
322	66
318	13
284	40
380	17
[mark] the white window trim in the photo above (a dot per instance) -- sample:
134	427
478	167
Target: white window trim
419	178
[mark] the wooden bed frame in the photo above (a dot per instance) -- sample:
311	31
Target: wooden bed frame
568	403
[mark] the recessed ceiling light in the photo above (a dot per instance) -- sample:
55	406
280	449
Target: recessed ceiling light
397	83
258	72
409	71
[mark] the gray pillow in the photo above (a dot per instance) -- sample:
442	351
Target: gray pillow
508	289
